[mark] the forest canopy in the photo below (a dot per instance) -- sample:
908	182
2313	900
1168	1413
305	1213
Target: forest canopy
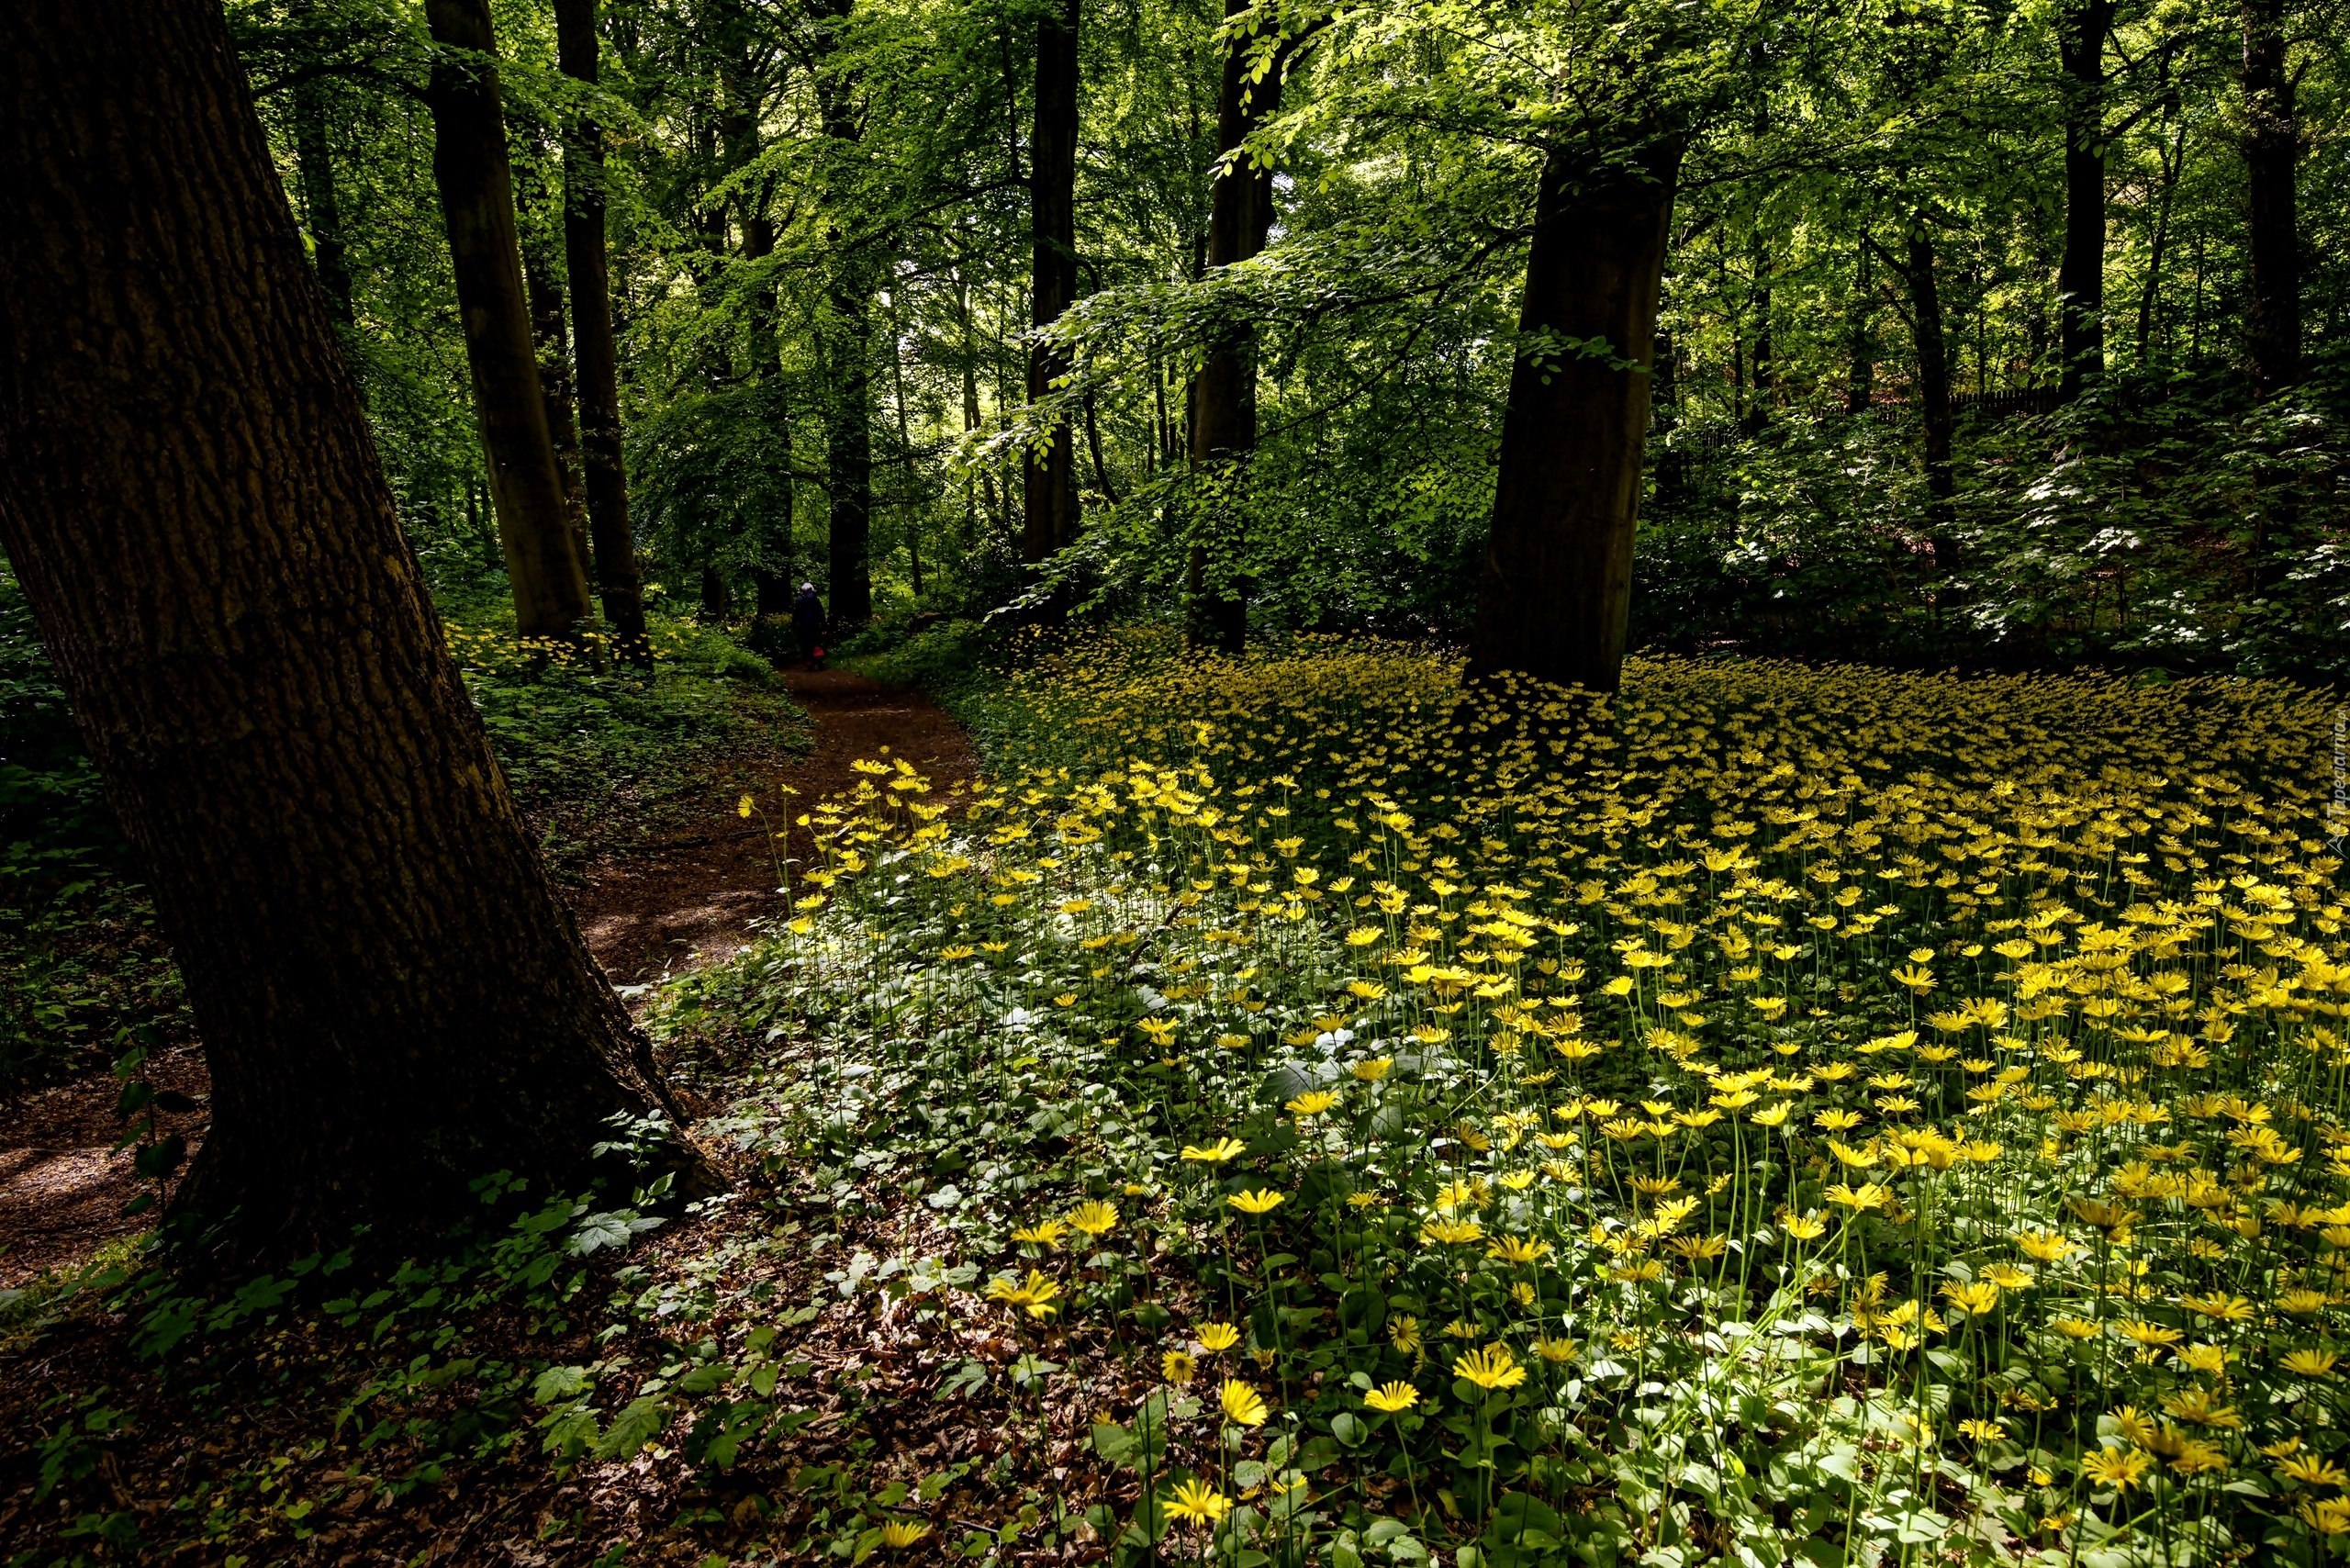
1981	332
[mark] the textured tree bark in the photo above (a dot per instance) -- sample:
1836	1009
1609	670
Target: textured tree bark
391	999
2272	147
617	582
321	200
1223	401
1048	480
1554	597
2080	276
549	580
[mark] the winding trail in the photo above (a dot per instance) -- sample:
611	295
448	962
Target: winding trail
690	899
687	899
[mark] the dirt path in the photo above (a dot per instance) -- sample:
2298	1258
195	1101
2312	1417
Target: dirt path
690	899
685	900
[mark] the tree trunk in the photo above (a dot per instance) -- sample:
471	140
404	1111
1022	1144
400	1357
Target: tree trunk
2272	148
772	543
1554	598
591	333
322	200
2150	294
848	435
1933	396
549	581
1859	385
1048	480
2080	277
390	997
1223	401
556	391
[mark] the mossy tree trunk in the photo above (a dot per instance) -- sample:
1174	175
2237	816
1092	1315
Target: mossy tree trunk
391	999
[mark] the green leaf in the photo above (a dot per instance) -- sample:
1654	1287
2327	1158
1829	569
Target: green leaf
638	1424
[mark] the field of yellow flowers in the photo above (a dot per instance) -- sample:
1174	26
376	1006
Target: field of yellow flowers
1778	1114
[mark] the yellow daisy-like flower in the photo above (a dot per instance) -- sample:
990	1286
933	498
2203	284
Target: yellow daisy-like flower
1491	1368
1033	1298
1217	1337
1312	1104
1178	1367
1516	1249
1242	1404
1094	1218
1215	1153
1393	1398
2117	1468
899	1534
1452	1232
1196	1502
1044	1233
2308	1363
1263	1201
1374	1070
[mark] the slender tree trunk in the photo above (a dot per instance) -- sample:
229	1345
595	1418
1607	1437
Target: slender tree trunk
606	481
1554	598
2272	149
321	198
390	997
555	390
774	545
1933	396
2172	163
1758	412
2080	277
1223	401
848	436
549	581
1048	479
1859	385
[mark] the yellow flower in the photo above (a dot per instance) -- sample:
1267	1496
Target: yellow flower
1491	1368
2119	1468
1393	1398
1516	1249
899	1534
1452	1232
1195	1501
1242	1404
1177	1366
1804	1227
2311	1470
1216	1336
1372	1071
1094	1218
1263	1201
743	807
1044	1233
1215	1153
1312	1104
1403	1333
1557	1350
1035	1297
2308	1363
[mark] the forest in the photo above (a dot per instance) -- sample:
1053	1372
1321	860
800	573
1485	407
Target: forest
1284	783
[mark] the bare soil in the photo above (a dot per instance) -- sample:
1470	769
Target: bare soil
686	900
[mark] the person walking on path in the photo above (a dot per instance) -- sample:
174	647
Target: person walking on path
807	624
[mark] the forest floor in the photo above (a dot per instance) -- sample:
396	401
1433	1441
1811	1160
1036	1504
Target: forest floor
688	897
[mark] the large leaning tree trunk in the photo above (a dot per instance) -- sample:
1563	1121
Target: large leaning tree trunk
1224	393
1048	479
390	997
1554	598
578	54
2080	276
469	164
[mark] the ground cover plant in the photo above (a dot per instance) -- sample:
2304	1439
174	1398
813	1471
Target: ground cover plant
1822	1113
